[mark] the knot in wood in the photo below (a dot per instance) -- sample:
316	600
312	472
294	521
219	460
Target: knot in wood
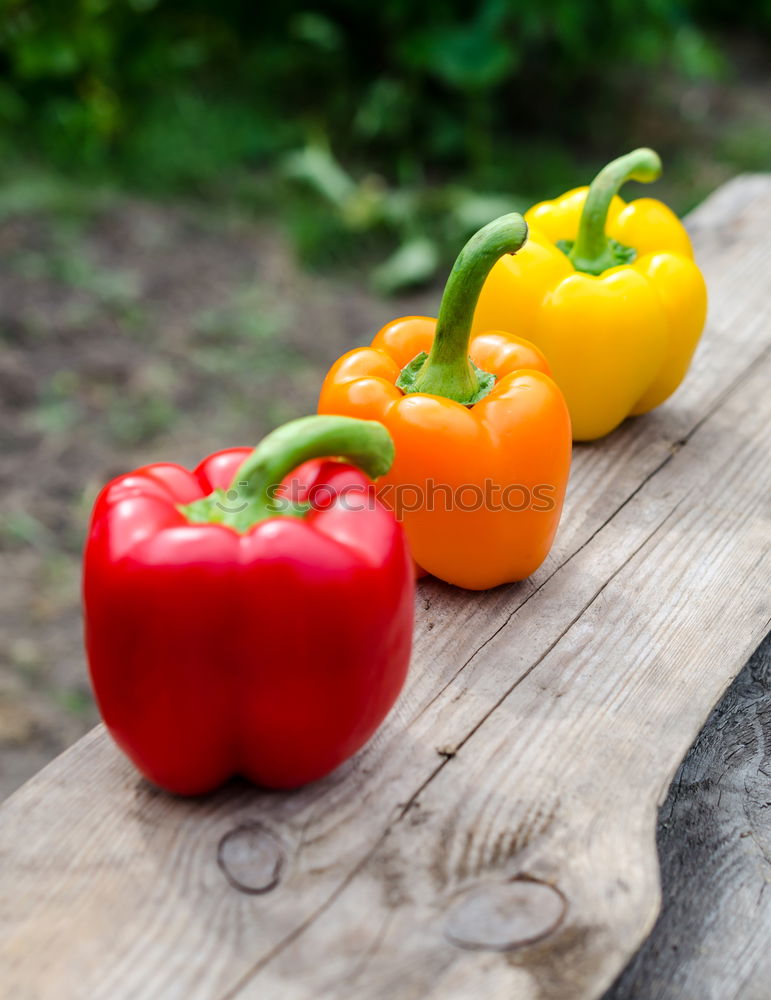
251	858
503	915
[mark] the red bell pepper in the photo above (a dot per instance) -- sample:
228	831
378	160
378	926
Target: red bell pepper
238	626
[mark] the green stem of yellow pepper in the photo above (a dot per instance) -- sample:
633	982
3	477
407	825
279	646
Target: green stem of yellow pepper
593	251
447	370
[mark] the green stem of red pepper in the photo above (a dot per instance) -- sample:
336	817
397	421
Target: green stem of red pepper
593	251
448	370
252	496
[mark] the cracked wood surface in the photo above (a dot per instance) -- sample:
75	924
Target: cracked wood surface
714	840
498	834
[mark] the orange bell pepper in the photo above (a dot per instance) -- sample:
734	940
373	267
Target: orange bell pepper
482	433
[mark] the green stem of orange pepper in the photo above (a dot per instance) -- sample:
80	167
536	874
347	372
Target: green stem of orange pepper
447	370
593	251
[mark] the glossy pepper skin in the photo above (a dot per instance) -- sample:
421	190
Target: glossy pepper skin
460	447
273	649
619	311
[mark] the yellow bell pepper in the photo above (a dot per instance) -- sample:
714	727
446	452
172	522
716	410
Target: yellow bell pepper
608	291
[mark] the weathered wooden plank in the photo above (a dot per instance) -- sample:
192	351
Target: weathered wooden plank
560	781
90	854
714	842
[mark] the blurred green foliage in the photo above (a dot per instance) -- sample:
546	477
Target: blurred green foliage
196	95
179	90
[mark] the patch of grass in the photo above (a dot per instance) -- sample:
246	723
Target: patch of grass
19	529
244	339
140	418
74	700
28	189
68	263
280	411
747	144
249	316
58	410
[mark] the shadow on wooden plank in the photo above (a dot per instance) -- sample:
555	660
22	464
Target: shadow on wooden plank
711	941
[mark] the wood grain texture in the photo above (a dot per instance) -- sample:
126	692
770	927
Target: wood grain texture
711	941
539	730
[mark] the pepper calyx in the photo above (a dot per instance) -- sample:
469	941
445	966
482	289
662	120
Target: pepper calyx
255	492
616	255
408	380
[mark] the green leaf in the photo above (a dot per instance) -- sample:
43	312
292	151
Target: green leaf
414	263
316	167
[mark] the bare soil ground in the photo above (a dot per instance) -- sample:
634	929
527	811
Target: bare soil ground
132	332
